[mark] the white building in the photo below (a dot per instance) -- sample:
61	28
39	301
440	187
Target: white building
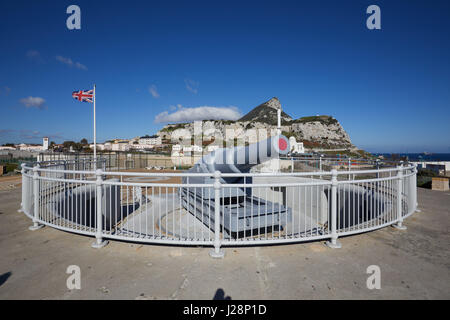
45	143
100	146
27	147
7	148
107	146
120	146
153	140
141	146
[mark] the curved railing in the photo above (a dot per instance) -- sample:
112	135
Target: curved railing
307	201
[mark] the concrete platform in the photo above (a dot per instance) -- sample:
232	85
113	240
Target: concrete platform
415	264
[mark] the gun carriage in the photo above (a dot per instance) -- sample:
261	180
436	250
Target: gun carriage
240	211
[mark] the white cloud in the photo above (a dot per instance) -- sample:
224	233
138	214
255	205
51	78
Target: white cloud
191	85
33	102
173	108
80	66
199	113
153	91
70	63
67	61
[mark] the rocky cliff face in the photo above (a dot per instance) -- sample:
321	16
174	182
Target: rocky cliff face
317	132
267	113
325	131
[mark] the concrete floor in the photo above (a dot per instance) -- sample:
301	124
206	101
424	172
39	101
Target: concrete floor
415	264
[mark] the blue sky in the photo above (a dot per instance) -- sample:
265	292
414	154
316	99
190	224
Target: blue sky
389	88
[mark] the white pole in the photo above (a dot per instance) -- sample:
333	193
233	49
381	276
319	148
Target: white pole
277	161
279	121
95	138
217	252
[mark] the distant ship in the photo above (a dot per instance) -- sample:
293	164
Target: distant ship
427	153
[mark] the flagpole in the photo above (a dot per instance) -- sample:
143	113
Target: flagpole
95	138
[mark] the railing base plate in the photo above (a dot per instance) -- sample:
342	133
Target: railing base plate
399	226
97	245
217	255
336	245
35	227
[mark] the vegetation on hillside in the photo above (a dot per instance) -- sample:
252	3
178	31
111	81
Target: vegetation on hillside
350	154
173	127
327	120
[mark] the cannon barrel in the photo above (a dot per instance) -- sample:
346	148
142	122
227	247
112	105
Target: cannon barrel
241	158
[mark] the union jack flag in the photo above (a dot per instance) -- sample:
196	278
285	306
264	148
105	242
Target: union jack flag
85	96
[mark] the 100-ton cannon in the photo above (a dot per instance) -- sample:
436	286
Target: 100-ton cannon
240	211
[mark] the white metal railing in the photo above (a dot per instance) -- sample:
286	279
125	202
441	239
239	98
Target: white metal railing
162	208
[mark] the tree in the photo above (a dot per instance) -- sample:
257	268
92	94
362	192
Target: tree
84	141
75	146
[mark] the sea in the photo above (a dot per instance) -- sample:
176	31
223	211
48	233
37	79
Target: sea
417	156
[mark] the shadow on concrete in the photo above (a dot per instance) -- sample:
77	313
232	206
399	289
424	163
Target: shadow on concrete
4	277
220	295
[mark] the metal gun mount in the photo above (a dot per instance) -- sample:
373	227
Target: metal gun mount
241	212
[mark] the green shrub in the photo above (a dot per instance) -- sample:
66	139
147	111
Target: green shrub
424	182
11	167
426	173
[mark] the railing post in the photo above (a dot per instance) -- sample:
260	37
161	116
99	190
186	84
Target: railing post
24	189
378	168
99	242
414	188
334	242
217	252
320	166
399	225
292	164
36	224
349	167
